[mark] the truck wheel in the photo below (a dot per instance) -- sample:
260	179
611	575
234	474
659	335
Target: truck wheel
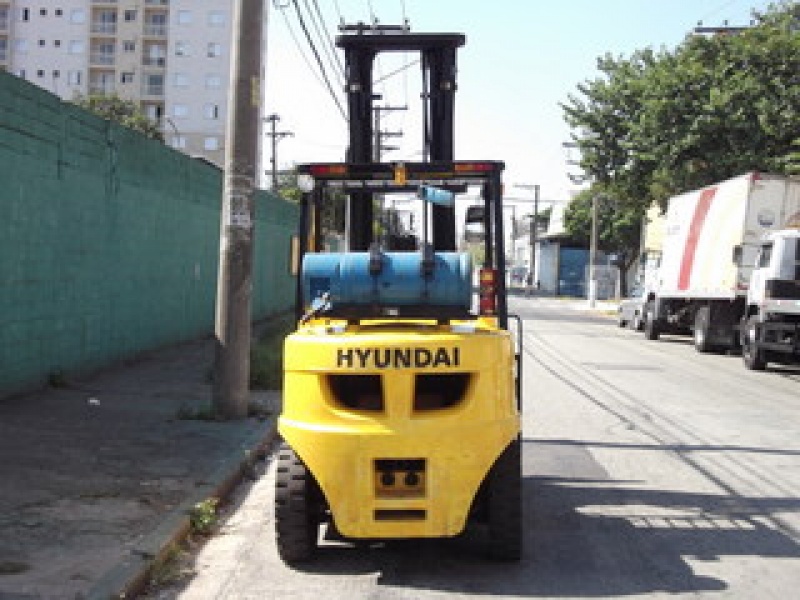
754	357
504	505
702	330
297	508
651	329
637	324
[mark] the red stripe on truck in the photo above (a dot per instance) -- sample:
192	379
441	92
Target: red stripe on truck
698	220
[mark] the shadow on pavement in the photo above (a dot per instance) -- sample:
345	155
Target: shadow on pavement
585	536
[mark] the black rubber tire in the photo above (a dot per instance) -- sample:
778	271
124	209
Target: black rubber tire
651	328
702	330
621	322
754	359
297	508
504	505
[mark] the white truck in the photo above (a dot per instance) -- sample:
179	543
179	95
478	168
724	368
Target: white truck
730	269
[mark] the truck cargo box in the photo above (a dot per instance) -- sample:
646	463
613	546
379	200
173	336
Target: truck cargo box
705	228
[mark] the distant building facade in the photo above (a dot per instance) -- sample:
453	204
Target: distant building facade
170	56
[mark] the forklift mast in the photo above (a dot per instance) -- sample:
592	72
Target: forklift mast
438	63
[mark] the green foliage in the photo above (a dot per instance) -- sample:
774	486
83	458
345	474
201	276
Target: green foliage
332	209
660	123
125	112
266	355
203	516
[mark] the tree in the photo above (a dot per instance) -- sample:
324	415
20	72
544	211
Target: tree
126	112
619	227
661	123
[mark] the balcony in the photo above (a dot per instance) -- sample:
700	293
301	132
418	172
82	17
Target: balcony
153	85
102	59
101	88
154	61
153	90
104	28
156	2
155	29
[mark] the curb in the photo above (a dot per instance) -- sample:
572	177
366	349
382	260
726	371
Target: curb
130	577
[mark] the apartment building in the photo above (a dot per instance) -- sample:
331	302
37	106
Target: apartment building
171	56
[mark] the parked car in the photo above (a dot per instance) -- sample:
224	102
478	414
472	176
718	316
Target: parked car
631	309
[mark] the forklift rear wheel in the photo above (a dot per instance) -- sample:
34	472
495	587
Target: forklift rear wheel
298	508
504	505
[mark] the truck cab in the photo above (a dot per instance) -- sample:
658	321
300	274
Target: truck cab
770	329
775	280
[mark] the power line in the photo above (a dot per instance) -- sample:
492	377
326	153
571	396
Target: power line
324	39
338	11
319	60
297	41
328	37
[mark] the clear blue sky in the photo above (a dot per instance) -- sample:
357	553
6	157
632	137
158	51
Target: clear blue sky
522	58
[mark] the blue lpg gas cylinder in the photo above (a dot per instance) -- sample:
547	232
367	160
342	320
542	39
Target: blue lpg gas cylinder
388	279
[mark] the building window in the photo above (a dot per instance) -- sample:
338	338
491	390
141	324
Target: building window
211	143
216	18
57	43
180	111
213	81
76	47
211	111
40	73
78	15
20	73
25	14
154	84
128	46
184	17
130	15
126	77
41	43
214	50
21	46
179	141
43	12
59	12
56	74
74	77
181	80
182	49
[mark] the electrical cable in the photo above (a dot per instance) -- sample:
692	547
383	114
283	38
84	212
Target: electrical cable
296	41
328	48
338	11
319	60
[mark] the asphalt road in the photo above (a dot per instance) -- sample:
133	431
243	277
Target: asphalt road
649	471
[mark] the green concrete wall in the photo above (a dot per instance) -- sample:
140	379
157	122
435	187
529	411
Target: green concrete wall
109	242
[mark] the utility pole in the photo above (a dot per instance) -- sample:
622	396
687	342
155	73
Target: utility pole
276	136
534	225
378	148
230	394
593	256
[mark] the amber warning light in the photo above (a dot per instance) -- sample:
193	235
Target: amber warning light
487	304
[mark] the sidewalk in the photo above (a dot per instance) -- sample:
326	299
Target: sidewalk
98	477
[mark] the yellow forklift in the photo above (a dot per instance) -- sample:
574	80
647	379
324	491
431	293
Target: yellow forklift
401	413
